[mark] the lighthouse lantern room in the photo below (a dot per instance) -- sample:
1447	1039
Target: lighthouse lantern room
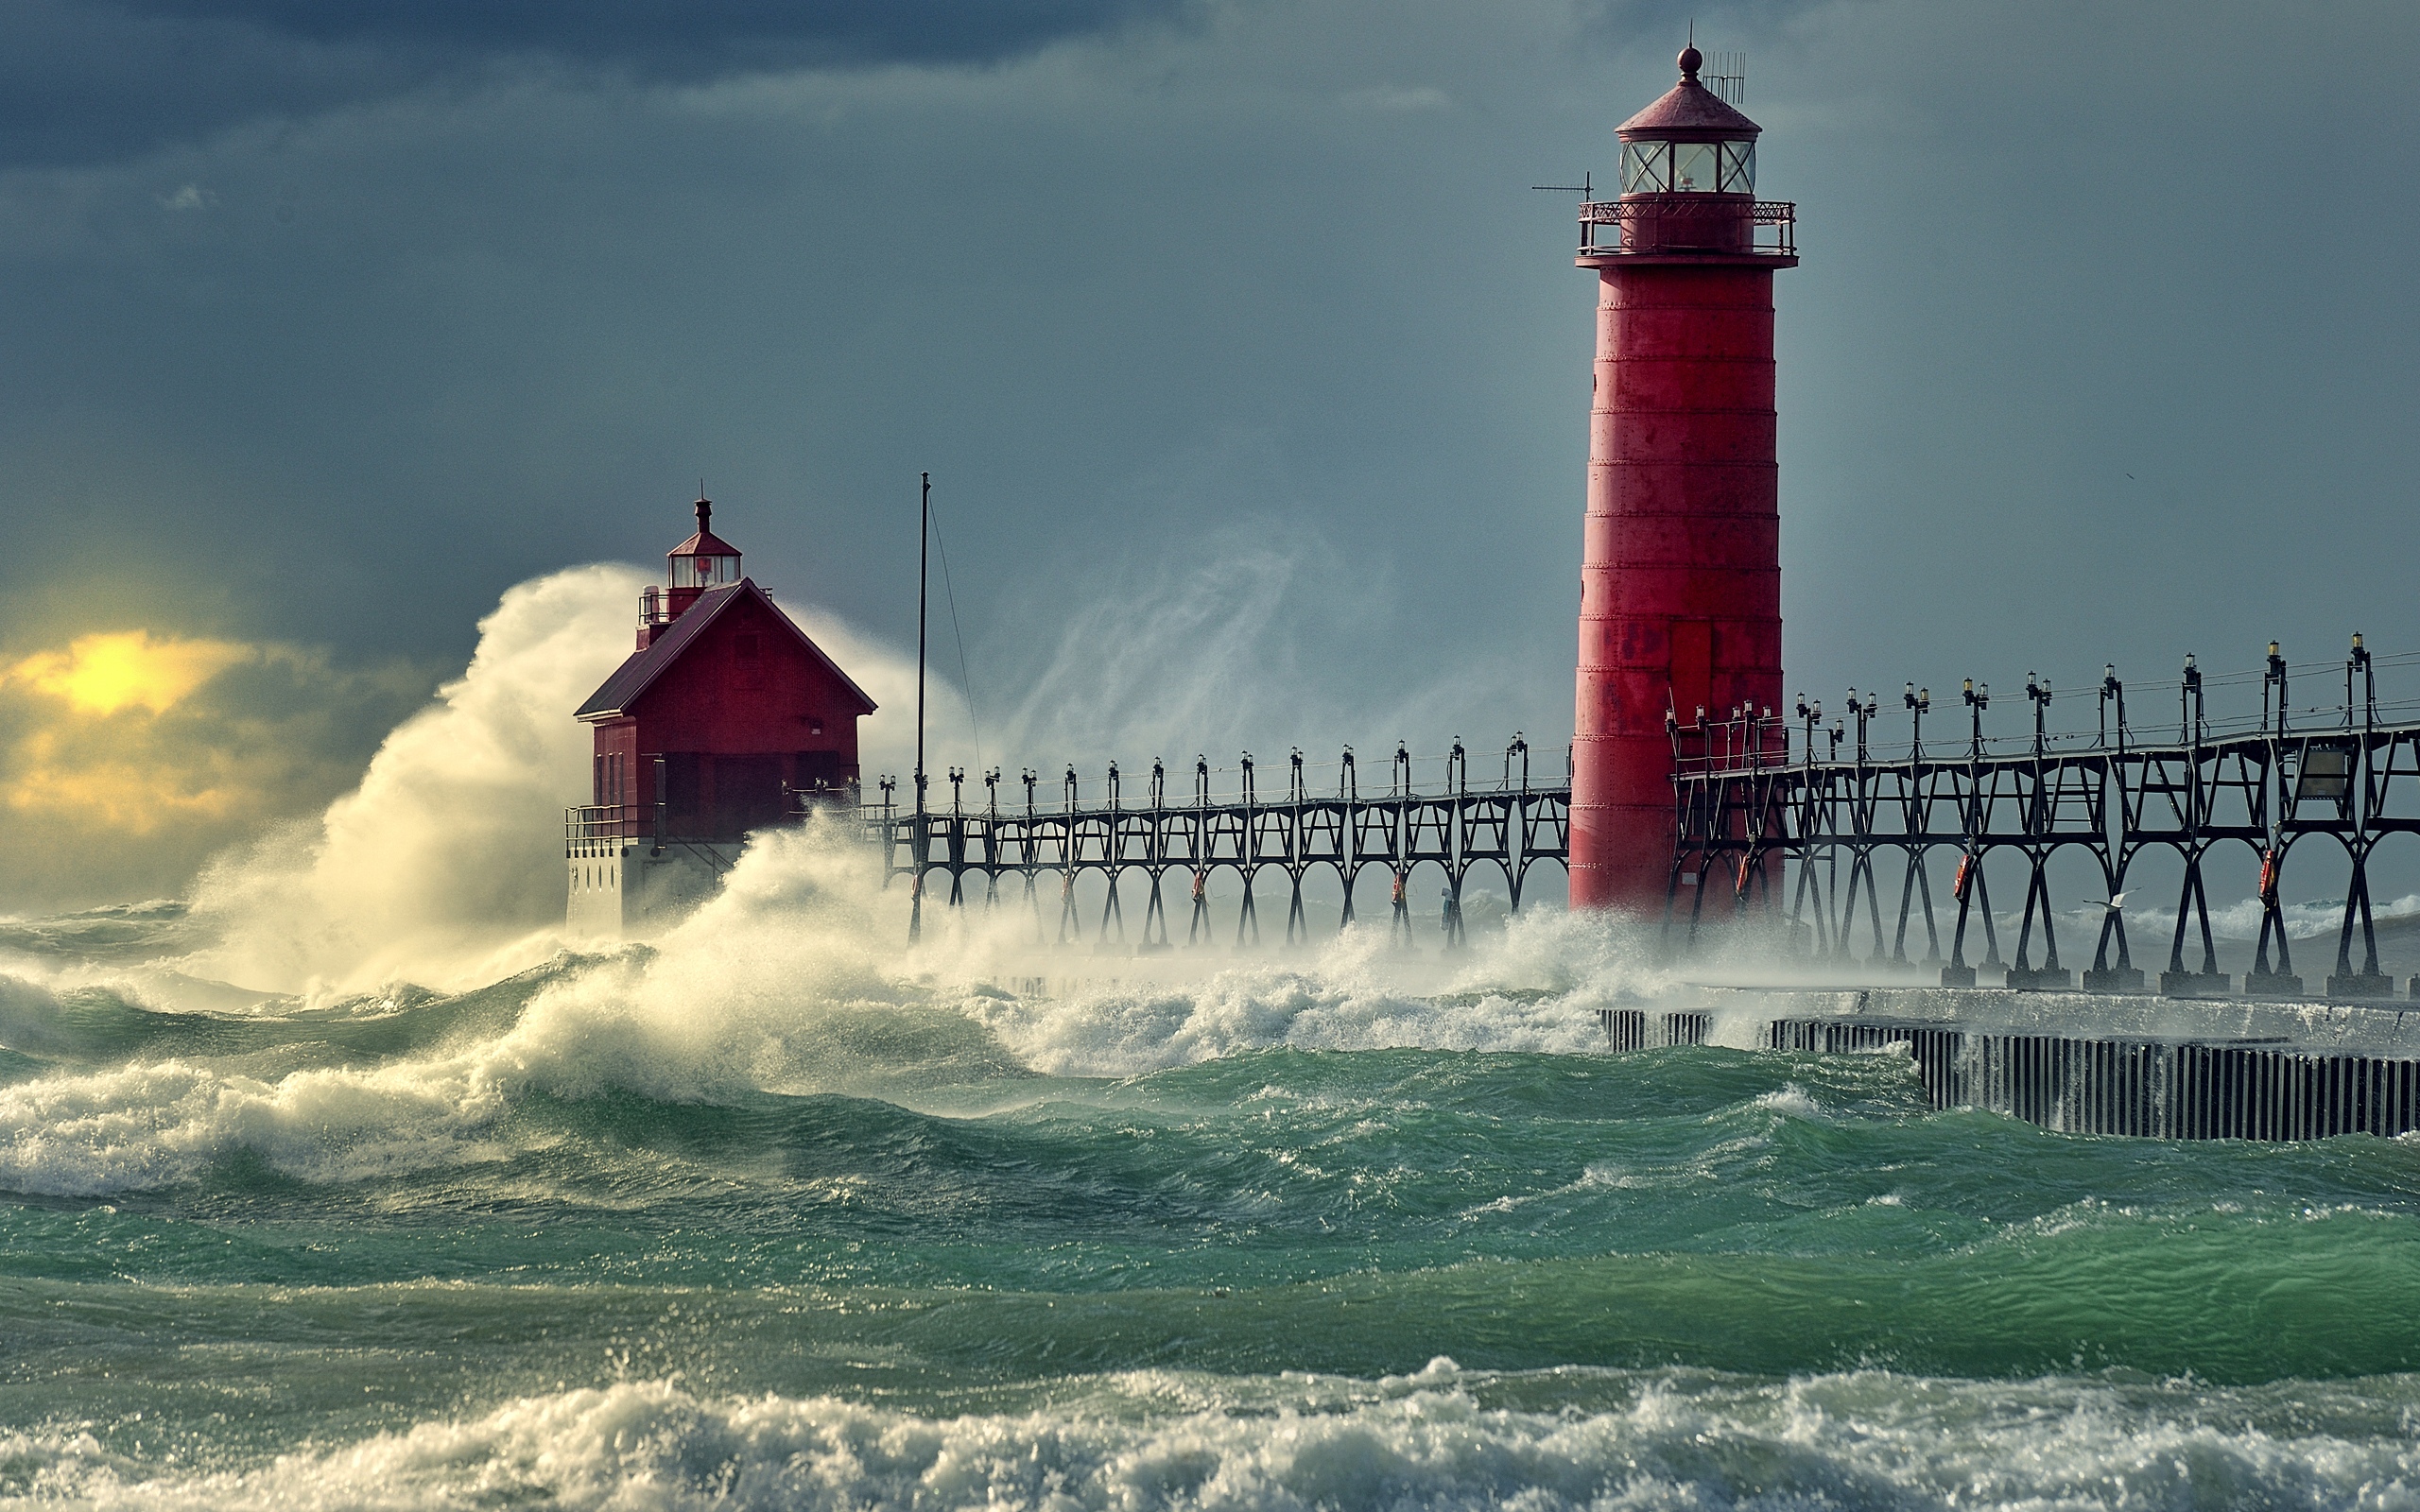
727	718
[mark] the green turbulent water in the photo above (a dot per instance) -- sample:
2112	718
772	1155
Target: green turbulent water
1288	1235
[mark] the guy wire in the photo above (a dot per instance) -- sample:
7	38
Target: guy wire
965	678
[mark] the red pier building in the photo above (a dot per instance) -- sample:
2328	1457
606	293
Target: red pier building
726	719
1680	606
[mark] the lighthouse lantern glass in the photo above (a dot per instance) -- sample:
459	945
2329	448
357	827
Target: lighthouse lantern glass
705	571
1644	166
1693	166
1738	168
1690	168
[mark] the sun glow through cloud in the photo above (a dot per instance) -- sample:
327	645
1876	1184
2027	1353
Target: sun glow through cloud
191	743
103	673
136	794
107	758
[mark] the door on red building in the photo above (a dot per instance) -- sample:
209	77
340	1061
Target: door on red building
816	769
748	794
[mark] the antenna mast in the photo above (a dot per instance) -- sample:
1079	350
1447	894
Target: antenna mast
1727	75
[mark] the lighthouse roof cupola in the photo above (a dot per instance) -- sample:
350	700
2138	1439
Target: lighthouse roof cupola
705	561
1691	141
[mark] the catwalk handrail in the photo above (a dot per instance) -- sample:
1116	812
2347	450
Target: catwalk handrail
1507	822
1751	794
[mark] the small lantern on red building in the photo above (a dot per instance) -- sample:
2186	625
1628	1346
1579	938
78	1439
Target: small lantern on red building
703	561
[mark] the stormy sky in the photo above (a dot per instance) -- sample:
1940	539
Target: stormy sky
1250	370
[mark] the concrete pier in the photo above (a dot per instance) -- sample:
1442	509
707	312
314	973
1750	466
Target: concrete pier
629	889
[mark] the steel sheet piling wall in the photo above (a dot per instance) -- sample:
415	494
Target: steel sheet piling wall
2188	1092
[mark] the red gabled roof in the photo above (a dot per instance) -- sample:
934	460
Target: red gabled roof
635	676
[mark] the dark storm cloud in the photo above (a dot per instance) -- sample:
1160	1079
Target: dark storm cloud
86	83
671	35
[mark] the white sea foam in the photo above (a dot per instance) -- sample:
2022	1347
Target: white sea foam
1341	999
644	1021
144	1127
1533	985
1790	1100
1153	1441
790	980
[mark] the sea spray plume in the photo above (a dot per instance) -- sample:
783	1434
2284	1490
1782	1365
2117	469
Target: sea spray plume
1585	960
443	864
1182	655
1200	651
792	979
887	737
1267	641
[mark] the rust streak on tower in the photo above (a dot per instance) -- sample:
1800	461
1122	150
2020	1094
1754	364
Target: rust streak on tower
1680	604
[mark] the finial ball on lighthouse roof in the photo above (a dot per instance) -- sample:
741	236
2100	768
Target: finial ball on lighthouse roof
1690	111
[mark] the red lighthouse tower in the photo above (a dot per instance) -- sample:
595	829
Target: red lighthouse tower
1680	604
726	719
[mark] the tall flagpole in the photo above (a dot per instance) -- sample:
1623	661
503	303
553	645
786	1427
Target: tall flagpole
922	840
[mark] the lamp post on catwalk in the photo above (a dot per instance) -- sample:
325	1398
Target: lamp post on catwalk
1680	604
